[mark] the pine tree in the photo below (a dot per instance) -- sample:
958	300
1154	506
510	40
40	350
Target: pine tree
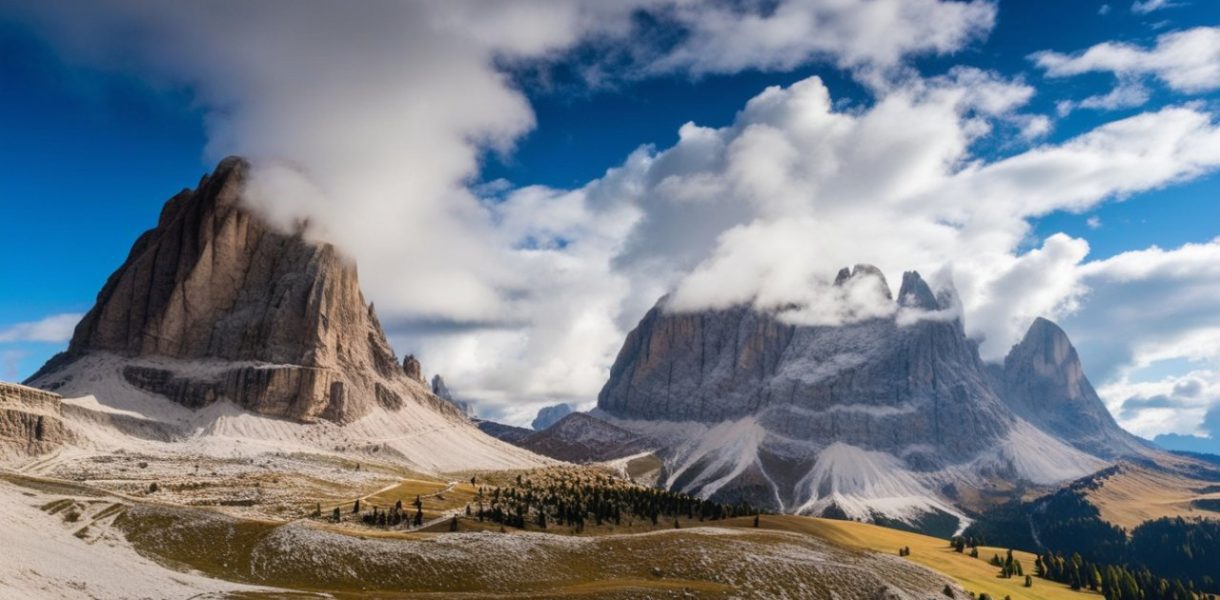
356	506
453	524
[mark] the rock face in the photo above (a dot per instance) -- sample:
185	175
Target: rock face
214	284
1043	381
582	438
502	432
549	415
411	366
873	417
875	384
30	421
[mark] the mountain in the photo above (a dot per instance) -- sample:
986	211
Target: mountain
278	319
549	415
507	433
581	438
1043	381
887	416
220	331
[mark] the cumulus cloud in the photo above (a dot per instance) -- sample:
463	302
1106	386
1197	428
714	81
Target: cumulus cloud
55	328
730	37
1157	406
1163	304
1185	61
769	207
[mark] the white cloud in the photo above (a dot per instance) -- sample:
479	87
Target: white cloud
1094	222
728	37
1149	330
55	328
1150	408
1186	61
769	207
1143	7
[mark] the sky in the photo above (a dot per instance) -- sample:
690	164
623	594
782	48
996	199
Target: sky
519	182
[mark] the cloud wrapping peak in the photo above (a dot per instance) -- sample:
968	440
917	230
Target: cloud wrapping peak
769	207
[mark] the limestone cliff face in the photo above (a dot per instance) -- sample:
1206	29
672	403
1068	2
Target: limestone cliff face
874	384
877	415
213	282
30	421
1043	381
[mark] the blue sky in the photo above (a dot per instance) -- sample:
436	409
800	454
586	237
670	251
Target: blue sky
98	136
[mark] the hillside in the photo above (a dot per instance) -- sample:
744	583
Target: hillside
973	574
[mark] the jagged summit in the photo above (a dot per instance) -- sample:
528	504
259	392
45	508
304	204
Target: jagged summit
278	319
864	270
915	293
1043	380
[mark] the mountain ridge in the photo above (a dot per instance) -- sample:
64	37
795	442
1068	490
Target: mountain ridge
872	417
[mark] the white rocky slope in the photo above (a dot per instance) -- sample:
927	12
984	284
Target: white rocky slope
108	414
874	419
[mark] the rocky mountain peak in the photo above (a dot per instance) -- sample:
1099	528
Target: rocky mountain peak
214	283
549	415
915	293
1043	380
864	270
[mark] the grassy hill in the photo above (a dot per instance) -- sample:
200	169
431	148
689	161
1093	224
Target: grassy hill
974	574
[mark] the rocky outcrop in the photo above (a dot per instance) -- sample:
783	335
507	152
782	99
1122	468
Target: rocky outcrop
411	366
549	415
30	421
215	283
1043	380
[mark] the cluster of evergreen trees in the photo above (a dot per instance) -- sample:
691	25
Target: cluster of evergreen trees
395	516
1009	566
1170	548
578	502
1112	581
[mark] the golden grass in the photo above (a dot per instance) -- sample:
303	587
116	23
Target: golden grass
974	574
1137	494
